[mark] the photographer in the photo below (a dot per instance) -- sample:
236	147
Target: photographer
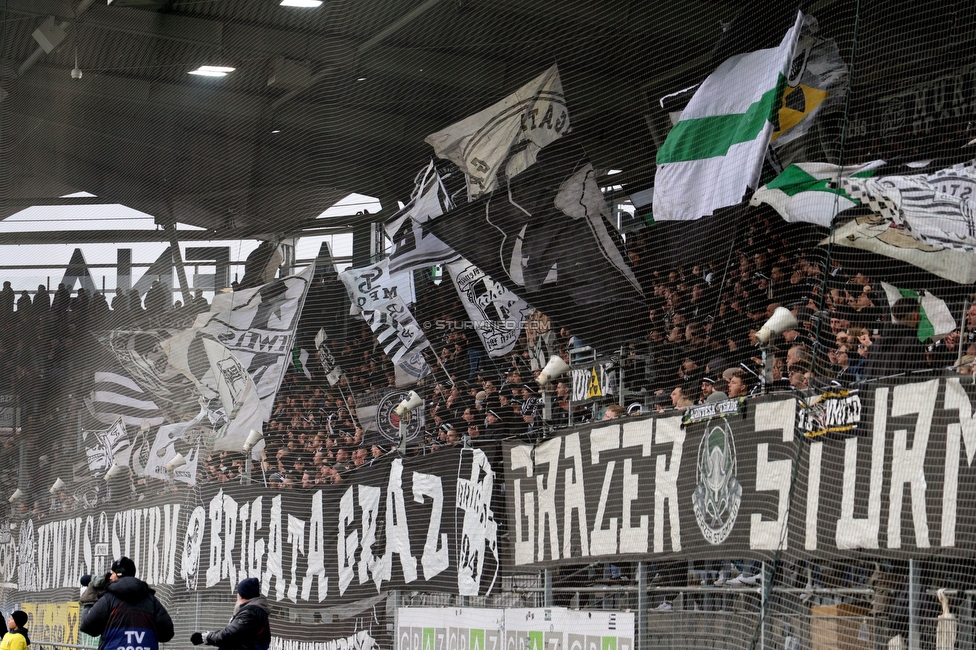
248	628
94	586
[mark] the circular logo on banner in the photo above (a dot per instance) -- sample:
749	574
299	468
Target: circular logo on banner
388	422
718	496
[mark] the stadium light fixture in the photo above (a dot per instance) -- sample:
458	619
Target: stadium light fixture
213	71
302	4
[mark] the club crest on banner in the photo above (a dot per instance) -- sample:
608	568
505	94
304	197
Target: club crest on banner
718	496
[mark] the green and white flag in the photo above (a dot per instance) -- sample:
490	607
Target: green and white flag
935	319
801	192
714	154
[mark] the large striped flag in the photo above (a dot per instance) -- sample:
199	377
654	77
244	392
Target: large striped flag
715	152
115	396
938	209
808	191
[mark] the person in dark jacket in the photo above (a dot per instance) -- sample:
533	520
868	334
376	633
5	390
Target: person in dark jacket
128	614
898	351
248	628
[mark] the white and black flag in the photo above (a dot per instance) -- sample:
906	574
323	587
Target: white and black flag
382	298
412	247
329	364
107	447
546	237
938	209
497	314
233	357
504	139
115	396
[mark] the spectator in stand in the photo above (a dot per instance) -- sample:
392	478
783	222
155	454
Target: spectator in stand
741	383
898	350
614	411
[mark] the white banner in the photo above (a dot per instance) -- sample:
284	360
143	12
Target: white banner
382	299
496	314
432	628
506	137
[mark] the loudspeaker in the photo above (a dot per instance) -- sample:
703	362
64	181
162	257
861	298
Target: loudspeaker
413	401
553	369
781	320
177	461
113	471
58	485
16	495
253	438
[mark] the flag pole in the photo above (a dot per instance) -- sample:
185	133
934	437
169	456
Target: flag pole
355	418
962	327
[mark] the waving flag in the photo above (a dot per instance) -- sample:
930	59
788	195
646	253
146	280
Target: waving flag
232	357
716	151
937	209
506	137
545	239
412	247
805	191
935	319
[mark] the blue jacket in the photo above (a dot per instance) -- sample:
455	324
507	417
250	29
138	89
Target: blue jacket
128	617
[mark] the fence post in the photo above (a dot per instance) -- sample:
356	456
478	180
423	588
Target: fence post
912	605
547	585
641	606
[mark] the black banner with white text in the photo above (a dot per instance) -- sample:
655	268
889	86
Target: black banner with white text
420	523
895	479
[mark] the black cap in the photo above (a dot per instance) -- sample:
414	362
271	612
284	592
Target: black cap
20	618
124	567
249	588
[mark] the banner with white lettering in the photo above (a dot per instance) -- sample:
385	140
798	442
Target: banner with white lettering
597	381
420	523
890	472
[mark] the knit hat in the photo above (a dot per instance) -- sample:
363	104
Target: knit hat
249	588
124	567
20	618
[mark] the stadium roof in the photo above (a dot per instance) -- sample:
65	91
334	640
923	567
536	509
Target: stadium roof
323	101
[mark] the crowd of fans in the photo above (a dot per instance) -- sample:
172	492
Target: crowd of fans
699	344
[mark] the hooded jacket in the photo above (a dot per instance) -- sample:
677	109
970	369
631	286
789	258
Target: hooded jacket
248	628
15	639
128	616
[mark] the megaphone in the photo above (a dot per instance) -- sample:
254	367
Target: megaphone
553	369
114	471
413	401
781	320
253	438
16	495
58	485
177	461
